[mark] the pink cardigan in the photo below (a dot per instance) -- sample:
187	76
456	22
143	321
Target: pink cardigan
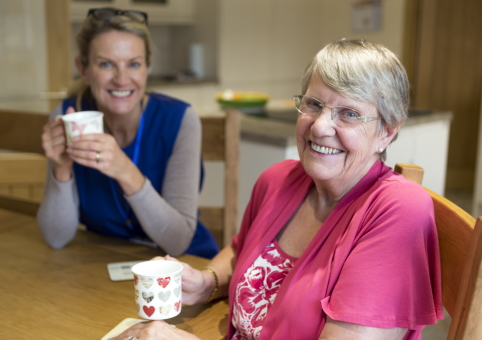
375	261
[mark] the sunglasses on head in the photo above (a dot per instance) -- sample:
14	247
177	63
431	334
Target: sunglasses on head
106	14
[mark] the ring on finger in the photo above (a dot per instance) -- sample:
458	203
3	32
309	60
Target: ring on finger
98	159
132	337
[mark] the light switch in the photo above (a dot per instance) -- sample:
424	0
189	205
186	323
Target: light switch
367	17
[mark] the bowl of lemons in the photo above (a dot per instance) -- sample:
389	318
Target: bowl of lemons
246	101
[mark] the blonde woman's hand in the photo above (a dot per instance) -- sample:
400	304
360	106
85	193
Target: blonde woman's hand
101	152
54	145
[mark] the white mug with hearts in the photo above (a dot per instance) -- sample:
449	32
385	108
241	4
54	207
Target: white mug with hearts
83	123
157	288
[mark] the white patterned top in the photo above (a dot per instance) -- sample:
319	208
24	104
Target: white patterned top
257	290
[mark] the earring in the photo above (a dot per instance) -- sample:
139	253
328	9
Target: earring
380	150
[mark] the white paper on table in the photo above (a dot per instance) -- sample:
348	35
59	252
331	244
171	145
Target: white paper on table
126	323
122	326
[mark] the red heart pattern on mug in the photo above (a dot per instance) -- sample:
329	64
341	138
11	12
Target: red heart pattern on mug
149	310
161	300
163	282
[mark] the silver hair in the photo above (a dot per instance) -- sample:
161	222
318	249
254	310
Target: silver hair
364	71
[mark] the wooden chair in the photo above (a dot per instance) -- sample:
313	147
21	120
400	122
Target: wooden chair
220	142
20	132
460	240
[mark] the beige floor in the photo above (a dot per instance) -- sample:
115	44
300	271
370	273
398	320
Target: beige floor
463	198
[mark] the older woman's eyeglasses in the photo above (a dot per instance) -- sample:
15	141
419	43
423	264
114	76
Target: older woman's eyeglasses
342	116
106	14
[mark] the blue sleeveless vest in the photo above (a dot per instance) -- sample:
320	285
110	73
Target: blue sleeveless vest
103	208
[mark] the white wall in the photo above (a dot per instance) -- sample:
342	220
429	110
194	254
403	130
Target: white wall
23	51
265	45
335	23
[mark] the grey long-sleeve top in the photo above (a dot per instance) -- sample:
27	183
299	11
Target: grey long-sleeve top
168	218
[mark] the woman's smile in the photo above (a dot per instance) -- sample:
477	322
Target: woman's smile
121	94
324	149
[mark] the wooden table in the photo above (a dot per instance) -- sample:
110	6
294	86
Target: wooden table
67	294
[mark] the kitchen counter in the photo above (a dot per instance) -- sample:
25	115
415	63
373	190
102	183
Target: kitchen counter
263	129
160	82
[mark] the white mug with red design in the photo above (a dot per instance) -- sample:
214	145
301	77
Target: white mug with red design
158	290
82	123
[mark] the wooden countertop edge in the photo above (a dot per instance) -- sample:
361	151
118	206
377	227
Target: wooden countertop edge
439	115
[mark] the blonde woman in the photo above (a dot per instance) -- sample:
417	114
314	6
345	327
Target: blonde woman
140	179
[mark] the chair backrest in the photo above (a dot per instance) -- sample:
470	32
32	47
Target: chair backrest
21	175
220	142
460	241
20	131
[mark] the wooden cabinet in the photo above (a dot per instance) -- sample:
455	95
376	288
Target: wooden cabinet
159	12
443	55
477	198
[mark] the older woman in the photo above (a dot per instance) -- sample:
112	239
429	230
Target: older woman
140	179
336	245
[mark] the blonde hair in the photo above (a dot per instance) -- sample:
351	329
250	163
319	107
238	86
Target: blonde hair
90	29
365	71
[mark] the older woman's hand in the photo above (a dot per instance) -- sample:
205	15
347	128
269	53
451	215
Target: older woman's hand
193	283
54	145
154	330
